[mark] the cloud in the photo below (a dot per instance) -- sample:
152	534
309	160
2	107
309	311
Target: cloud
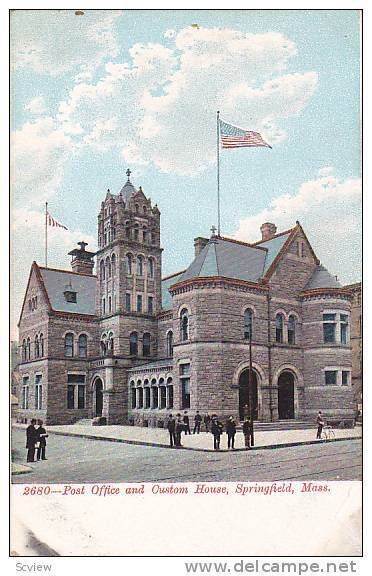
28	231
36	105
55	42
329	211
162	102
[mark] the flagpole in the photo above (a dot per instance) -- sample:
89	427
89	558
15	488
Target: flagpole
46	234
218	175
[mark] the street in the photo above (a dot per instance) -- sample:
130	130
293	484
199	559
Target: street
77	460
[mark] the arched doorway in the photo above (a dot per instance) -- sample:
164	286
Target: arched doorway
244	407
286	404
98	393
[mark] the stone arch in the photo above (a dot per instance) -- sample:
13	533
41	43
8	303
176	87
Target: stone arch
98	387
259	380
297	382
248	306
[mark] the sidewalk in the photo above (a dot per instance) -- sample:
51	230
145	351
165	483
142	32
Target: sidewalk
201	442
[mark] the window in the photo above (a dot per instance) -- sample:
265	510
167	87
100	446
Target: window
184	369
155	397
132	395
103	306
110	342
83	346
75	391
345	378
344	328
291	330
108	267
127	229
24	350
329	327
135	232
28	349
102	270
150	267
81	396
163	394
113	264
170	343
136	207
127	302
41	344
139	265
185	385
133	344
330	377
25	392
146	344
109	305
248	324
38	392
279	328
69	345
37	349
139	302
170	392
144	234
184	325
129	261
150	304
147	397
70	295
140	397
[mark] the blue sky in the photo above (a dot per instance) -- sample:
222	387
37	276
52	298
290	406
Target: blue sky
94	94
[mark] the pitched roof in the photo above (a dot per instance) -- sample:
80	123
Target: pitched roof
274	246
84	285
127	190
321	278
166	299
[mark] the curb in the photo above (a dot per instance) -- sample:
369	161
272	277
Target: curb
23	470
158	445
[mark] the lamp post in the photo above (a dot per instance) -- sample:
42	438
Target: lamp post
250	387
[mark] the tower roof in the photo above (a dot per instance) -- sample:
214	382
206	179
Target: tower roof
128	188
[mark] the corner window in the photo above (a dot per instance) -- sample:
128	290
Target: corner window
345	378
150	267
329	327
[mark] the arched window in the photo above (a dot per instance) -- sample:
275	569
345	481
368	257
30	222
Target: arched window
37	349
136	232
150	267
103	306
170	343
83	346
163	394
291	330
24	350
146	344
184	325
103	345
140	265
108	267
155	394
133	395
133	344
69	345
279	328
110	343
41	344
144	234
170	392
248	324
129	261
113	265
109	305
28	349
140	398
146	388
102	270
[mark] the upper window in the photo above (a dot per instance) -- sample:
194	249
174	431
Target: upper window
83	346
24	350
146	344
150	304
344	328
113	264
136	232
69	345
330	377
133	344
37	349
291	330
150	267
329	327
184	324
127	302
279	328
127	229
139	302
140	265
170	343
102	270
28	349
144	234
41	344
248	324
129	261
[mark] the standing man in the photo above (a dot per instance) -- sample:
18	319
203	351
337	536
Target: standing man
197	422
247	432
41	438
179	428
207	420
31	439
216	429
320	423
231	431
186	422
171	425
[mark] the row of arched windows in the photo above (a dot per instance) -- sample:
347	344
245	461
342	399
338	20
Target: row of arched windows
157	394
279	327
107	268
138	234
134	342
82	345
136	265
38	347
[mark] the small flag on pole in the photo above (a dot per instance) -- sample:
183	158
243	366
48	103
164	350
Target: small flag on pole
233	137
52	222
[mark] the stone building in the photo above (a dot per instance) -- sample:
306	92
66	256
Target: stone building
356	342
133	347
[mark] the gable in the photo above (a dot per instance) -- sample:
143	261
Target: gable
36	299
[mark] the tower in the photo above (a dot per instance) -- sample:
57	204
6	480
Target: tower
128	273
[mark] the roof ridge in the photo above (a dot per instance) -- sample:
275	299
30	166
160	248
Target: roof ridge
275	236
240	242
174	274
67	271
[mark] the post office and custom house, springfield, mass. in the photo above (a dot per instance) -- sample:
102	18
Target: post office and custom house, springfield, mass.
132	347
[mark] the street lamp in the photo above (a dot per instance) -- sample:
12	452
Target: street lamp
250	387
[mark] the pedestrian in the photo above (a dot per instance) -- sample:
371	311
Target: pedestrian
197	422
207	420
179	427
186	421
216	429
247	431
41	438
31	439
231	431
320	423
171	426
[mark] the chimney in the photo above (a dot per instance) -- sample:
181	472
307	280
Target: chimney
268	230
82	260
199	244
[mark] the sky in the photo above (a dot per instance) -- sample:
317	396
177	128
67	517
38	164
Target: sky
94	94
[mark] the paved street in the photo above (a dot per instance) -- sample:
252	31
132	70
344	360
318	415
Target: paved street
82	460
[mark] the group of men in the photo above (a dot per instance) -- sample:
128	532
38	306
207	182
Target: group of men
36	440
179	424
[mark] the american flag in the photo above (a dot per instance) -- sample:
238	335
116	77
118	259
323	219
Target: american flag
52	222
233	137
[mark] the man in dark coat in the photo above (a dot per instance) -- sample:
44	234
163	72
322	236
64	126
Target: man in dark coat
231	431
320	423
171	425
41	438
179	429
216	430
197	422
31	439
186	422
247	431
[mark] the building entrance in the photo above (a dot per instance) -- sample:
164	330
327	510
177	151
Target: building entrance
286	396
99	397
244	407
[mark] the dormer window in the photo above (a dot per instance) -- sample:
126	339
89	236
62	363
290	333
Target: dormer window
70	294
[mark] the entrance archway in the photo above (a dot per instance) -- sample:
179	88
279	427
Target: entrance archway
98	393
286	403
244	407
